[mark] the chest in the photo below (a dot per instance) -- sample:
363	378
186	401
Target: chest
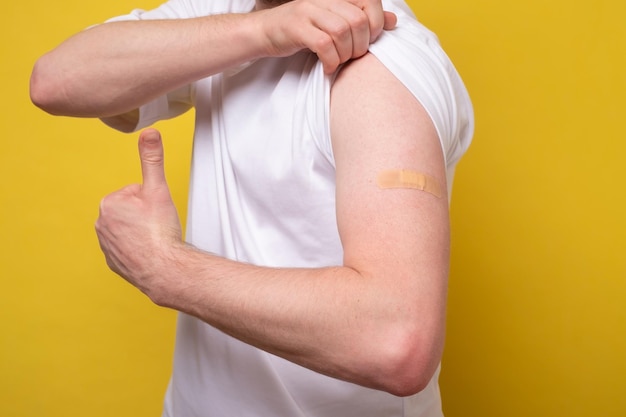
270	123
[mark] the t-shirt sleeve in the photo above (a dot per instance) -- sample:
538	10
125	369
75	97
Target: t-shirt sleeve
413	54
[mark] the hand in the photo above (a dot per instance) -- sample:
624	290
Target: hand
336	30
138	225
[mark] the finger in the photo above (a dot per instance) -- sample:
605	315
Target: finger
322	44
374	11
359	29
390	20
327	54
328	35
151	155
342	33
355	42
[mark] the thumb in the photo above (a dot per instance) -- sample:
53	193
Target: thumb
390	20
151	155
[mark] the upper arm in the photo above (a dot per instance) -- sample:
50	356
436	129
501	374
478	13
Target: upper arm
399	237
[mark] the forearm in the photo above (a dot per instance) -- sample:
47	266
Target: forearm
116	67
338	321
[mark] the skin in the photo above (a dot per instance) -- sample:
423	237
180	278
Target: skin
113	69
377	320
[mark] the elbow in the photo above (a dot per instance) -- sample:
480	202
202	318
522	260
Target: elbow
46	90
410	363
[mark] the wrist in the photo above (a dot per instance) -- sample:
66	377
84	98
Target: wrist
259	34
169	277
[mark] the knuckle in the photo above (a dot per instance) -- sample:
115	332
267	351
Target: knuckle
340	30
323	44
359	20
360	51
103	205
101	225
153	157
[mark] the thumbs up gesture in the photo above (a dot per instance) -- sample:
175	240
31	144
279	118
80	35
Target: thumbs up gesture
139	224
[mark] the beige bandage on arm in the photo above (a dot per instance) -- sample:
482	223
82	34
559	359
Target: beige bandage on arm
404	178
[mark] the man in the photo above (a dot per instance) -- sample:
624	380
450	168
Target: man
312	279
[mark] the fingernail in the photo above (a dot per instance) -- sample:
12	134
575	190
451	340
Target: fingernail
151	137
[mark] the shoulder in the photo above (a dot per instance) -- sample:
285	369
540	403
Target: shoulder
373	112
365	85
414	56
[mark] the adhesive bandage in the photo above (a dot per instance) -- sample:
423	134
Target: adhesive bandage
404	178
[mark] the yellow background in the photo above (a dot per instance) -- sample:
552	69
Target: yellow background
537	312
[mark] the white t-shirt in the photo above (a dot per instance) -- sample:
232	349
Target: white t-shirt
263	192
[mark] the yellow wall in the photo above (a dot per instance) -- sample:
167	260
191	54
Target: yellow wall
537	314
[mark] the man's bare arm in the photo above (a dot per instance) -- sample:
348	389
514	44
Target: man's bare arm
114	68
378	320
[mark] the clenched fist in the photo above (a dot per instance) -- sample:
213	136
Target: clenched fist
335	30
